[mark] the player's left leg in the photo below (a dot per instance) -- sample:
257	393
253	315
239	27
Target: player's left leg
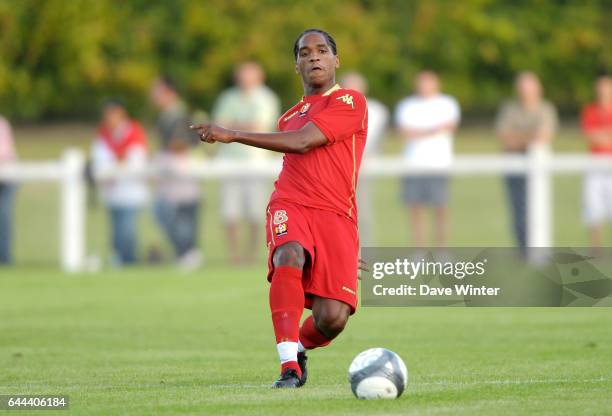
328	319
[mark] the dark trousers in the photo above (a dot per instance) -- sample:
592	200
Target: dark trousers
179	223
516	187
7	197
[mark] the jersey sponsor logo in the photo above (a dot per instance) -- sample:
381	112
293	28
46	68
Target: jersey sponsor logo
349	290
280	216
290	116
304	109
347	99
280	230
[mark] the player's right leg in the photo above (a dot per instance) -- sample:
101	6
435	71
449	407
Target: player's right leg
286	305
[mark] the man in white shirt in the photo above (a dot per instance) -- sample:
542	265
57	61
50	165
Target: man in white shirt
378	118
427	121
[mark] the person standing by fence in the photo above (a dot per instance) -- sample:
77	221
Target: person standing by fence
529	120
596	123
250	105
121	145
427	121
177	199
7	193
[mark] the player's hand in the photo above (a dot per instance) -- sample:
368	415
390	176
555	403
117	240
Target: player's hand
212	133
363	266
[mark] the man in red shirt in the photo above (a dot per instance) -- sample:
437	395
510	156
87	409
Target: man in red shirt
311	218
597	127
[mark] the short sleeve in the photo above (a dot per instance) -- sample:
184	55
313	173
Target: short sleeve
267	111
550	120
402	113
588	120
503	118
7	144
344	116
454	111
140	138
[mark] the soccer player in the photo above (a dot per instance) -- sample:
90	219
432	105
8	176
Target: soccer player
311	218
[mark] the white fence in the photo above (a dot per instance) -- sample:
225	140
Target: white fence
539	166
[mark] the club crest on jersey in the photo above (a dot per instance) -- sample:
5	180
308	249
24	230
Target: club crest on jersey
304	109
280	230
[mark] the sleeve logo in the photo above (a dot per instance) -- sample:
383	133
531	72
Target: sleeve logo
347	99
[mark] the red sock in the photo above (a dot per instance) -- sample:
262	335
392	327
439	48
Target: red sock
287	305
293	365
310	336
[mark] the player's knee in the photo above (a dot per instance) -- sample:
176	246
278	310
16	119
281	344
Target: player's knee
289	254
332	324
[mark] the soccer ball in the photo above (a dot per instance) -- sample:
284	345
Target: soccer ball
378	373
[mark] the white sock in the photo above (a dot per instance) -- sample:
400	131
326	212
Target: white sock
301	347
287	351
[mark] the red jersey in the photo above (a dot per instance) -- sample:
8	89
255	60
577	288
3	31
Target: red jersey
326	177
594	118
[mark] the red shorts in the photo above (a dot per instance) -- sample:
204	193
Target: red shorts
331	241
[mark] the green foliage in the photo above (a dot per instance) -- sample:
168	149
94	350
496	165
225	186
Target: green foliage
58	59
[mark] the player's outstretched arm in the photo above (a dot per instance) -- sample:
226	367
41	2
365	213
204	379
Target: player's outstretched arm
295	141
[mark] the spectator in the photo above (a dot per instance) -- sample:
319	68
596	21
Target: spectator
427	122
526	121
378	117
597	191
7	192
252	106
177	201
121	145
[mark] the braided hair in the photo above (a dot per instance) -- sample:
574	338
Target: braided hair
328	38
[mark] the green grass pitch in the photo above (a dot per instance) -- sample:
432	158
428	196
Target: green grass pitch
147	341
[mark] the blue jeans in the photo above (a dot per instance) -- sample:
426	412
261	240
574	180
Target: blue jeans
124	221
7	197
516	186
179	223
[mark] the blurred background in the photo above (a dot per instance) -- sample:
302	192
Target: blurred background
66	66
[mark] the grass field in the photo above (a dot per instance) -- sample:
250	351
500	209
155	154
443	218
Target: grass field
146	340
150	341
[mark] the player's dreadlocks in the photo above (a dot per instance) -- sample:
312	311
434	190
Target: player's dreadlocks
328	38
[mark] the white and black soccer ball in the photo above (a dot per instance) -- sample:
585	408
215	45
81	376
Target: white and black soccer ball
378	373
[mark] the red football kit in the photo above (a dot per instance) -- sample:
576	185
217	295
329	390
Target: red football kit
314	198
